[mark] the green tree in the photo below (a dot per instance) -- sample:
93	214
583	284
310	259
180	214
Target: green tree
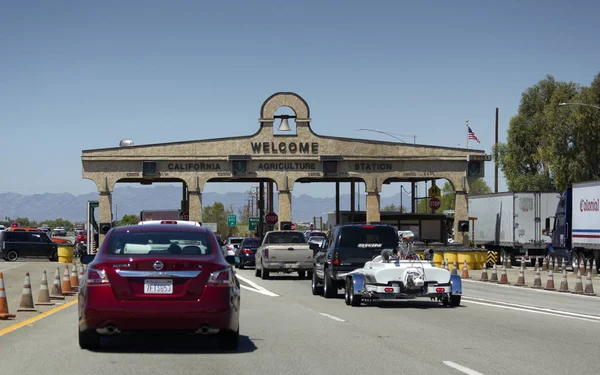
128	220
477	186
218	214
393	207
536	154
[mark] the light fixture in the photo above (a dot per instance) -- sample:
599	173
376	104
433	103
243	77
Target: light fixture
285	125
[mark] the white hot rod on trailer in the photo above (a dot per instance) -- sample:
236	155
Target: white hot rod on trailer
390	278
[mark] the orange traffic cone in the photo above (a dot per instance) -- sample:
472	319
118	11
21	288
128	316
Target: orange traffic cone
537	281
26	297
550	281
504	276
484	274
564	283
545	265
74	279
556	265
443	266
579	283
44	295
494	278
563	268
454	268
537	264
593	267
56	288
3	302
465	271
589	286
521	279
81	273
509	262
66	283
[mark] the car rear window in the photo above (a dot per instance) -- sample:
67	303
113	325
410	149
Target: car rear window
251	243
286	237
369	238
236	240
159	243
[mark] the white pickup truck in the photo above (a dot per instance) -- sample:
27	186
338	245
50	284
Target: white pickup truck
284	251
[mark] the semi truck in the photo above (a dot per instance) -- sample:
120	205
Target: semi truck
511	223
575	226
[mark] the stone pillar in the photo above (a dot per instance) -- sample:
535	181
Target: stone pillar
461	212
285	205
104	213
373	202
195	205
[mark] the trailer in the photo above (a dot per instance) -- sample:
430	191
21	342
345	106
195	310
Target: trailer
575	231
147	215
511	223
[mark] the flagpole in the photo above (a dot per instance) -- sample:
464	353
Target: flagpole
467	124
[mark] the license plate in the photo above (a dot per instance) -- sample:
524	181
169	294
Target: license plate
291	265
158	286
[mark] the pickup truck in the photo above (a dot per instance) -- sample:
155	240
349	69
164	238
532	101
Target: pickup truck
284	251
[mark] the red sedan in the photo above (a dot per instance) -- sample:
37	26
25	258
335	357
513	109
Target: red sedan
159	277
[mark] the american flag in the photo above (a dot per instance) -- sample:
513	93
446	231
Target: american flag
472	135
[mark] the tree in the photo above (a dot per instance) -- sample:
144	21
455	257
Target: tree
217	214
393	207
128	220
477	186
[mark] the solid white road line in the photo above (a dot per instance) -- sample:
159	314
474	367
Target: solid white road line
461	368
529	289
255	290
499	306
587	316
332	317
10	266
257	287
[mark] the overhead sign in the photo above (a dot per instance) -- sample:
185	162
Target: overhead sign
271	218
231	220
253	223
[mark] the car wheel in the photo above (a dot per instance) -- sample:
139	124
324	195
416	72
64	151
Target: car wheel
256	271
229	340
54	257
89	339
301	274
329	290
241	266
316	288
454	301
347	292
355	300
12	256
264	273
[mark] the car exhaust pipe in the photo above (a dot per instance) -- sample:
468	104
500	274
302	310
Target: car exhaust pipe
206	330
109	330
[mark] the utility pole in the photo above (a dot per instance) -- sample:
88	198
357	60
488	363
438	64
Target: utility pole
496	156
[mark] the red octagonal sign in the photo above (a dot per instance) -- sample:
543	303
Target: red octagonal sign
293	226
271	218
434	203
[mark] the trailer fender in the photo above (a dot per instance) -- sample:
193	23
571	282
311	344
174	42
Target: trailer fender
359	282
456	283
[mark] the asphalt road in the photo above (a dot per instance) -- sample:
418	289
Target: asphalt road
285	329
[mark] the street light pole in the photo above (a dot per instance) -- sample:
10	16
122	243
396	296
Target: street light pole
581	104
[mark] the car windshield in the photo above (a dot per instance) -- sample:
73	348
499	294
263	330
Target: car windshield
286	237
159	243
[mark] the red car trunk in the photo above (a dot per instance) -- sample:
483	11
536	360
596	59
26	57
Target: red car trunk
161	278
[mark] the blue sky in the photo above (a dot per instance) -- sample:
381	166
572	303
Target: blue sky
82	75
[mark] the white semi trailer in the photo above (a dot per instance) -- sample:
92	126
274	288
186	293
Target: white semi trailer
512	223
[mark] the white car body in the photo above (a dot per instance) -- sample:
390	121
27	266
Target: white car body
394	279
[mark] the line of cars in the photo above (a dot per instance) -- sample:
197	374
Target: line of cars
17	242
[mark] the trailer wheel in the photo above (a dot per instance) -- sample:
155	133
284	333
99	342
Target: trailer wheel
351	298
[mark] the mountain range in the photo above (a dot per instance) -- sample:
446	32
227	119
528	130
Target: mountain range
130	200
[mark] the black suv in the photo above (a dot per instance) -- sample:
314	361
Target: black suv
27	244
349	247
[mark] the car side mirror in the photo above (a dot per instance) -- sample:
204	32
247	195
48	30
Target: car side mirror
87	258
232	259
314	246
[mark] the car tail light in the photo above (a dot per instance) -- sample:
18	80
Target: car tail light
96	277
368	226
169	222
440	290
336	260
220	278
389	290
266	253
247	251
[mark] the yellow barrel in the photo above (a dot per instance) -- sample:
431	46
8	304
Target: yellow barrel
450	257
468	256
482	256
65	252
438	256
